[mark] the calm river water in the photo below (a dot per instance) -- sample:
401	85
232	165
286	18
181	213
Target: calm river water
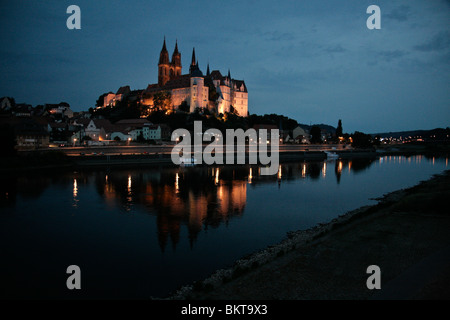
137	233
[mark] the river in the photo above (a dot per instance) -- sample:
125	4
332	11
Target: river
138	233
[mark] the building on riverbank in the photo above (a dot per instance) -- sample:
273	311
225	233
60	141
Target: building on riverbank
187	92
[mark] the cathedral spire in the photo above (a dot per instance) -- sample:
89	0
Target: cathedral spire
164	45
207	71
176	47
193	57
164	55
229	76
176	59
163	65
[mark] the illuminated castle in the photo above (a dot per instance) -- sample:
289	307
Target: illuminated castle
213	91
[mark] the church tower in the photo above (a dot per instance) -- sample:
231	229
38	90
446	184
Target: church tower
193	63
175	66
163	65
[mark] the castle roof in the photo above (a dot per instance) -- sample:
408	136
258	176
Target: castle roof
195	72
124	90
239	84
182	81
216	75
179	82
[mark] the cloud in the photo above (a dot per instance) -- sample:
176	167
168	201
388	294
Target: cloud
390	55
440	41
400	13
278	36
335	49
26	58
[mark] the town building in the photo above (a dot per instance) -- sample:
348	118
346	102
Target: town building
30	134
300	135
95	129
61	110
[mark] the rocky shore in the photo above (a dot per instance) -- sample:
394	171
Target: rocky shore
406	234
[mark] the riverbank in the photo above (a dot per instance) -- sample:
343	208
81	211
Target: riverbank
144	155
406	234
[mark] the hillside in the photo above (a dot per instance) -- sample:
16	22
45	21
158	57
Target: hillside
435	134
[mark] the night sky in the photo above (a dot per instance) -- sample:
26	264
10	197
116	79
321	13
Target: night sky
314	61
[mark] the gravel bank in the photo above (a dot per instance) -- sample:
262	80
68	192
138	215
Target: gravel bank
329	261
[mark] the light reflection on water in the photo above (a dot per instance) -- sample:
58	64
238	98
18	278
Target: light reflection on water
154	229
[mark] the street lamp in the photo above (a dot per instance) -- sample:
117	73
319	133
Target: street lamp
74	141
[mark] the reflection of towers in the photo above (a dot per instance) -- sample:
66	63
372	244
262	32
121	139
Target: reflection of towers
197	212
197	198
75	193
232	198
338	170
167	226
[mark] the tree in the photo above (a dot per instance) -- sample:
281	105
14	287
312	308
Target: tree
233	110
377	140
184	106
316	134
99	102
339	129
161	100
361	140
140	137
212	92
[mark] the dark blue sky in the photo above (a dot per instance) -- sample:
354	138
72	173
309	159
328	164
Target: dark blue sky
314	61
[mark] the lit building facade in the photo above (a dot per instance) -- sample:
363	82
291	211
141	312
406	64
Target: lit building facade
191	89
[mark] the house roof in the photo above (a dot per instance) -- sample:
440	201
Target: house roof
99	123
163	126
23	107
57	124
265	126
31	127
132	121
